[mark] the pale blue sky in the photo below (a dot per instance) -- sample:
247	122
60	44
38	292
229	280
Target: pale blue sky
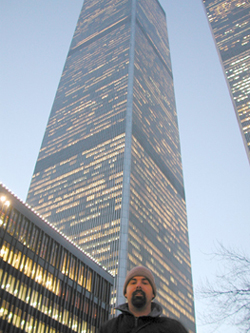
35	37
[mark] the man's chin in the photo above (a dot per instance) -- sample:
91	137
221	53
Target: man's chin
139	302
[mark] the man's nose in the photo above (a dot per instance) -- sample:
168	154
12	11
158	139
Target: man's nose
138	285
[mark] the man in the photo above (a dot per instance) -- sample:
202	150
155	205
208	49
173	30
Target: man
140	314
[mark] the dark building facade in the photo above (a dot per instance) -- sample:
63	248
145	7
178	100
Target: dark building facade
230	25
109	171
47	283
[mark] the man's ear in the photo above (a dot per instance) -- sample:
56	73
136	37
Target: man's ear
153	296
125	295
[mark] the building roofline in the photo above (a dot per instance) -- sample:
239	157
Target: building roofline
54	233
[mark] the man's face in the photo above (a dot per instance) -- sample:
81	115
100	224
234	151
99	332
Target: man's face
139	292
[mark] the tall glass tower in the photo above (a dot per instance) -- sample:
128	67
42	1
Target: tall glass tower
230	25
109	171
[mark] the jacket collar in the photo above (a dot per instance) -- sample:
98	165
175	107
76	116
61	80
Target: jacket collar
156	309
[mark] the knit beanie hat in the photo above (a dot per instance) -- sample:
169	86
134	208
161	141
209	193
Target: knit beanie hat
140	271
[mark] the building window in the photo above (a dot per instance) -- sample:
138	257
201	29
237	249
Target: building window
34	238
12	222
44	246
89	280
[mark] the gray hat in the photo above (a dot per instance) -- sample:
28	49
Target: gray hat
140	271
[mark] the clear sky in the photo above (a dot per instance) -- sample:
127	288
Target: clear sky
35	37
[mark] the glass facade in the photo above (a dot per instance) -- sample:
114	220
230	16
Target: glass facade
230	25
47	284
109	171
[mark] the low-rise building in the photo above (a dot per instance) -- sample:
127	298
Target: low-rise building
47	283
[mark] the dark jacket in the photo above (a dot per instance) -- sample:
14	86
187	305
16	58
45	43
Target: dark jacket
153	323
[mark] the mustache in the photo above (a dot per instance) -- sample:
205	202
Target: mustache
139	291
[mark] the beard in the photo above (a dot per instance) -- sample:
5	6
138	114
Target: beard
138	299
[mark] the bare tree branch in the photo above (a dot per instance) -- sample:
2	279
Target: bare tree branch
229	297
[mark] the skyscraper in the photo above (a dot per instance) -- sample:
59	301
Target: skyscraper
230	25
109	171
